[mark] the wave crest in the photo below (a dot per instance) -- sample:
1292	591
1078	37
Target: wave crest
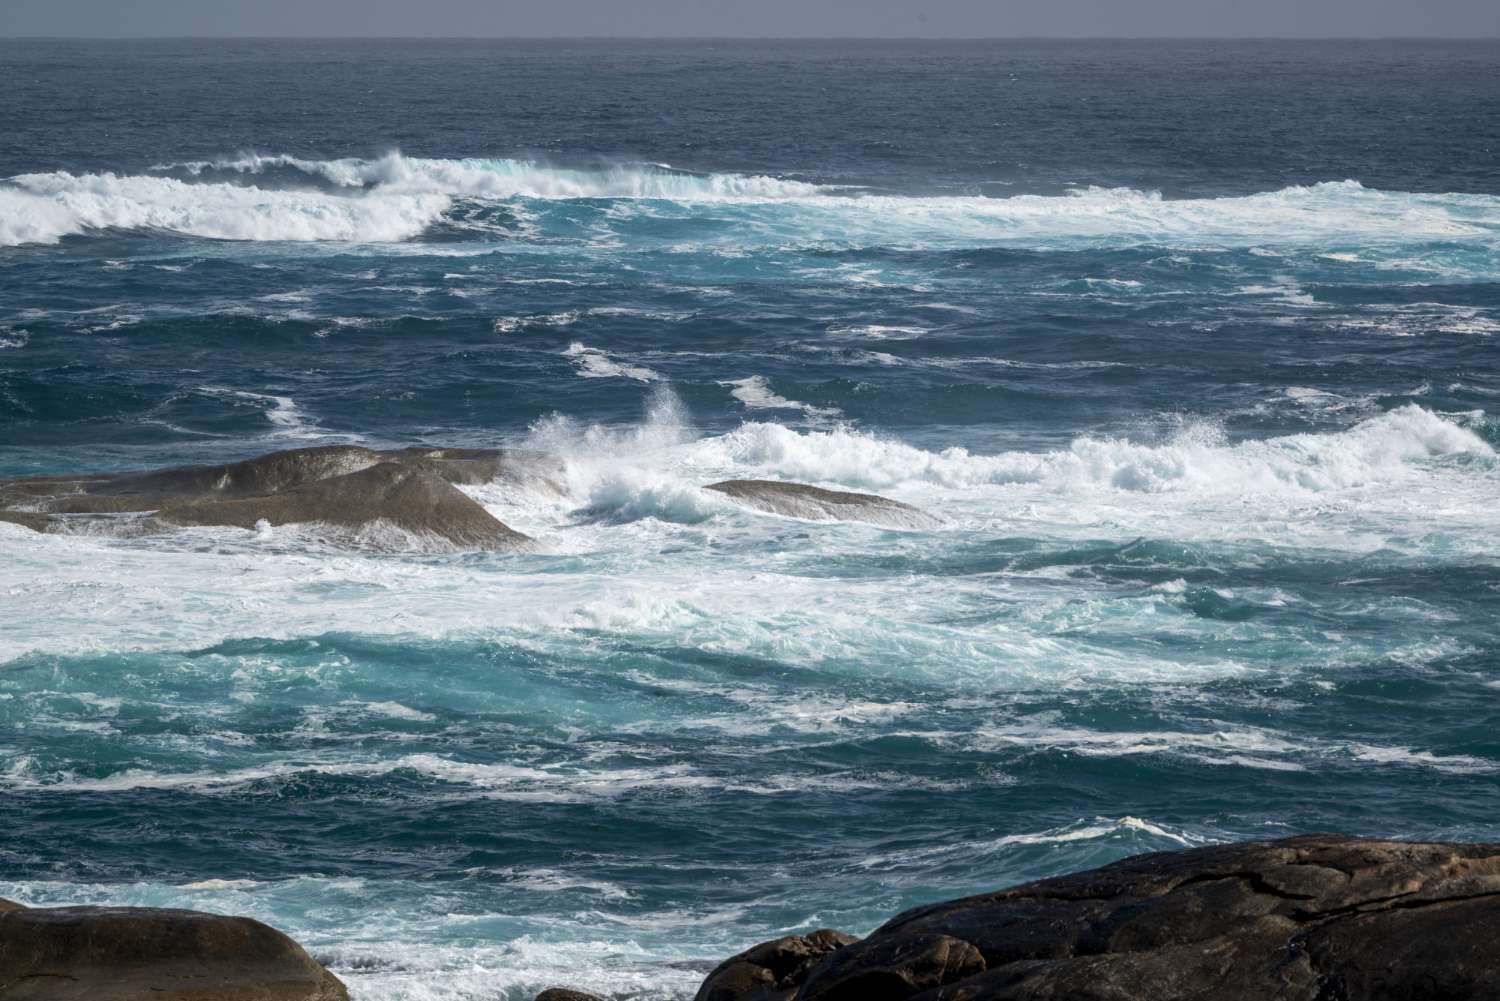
395	197
1197	460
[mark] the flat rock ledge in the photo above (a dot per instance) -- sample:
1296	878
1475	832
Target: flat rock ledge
141	953
1315	918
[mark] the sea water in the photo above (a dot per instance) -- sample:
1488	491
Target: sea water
1190	349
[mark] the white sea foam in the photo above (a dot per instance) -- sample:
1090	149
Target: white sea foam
878	332
647	552
286	418
1196	461
509	324
396	710
521	783
43	208
1244	746
756	394
396	198
506	178
1130	829
221	884
595	364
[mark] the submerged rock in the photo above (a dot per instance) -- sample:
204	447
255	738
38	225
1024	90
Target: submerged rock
1317	918
343	486
140	953
798	500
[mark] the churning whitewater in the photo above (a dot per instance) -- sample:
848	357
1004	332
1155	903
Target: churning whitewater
1182	448
396	198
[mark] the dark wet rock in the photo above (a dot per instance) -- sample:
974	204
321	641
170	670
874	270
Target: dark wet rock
772	970
136	953
897	967
9	905
342	486
1317	918
798	500
566	994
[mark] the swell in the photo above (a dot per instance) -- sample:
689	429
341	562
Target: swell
398	198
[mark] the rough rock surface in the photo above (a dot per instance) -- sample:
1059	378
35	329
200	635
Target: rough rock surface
1317	918
140	953
798	500
772	970
343	486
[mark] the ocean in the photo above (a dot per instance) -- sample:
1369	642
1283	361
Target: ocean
1189	347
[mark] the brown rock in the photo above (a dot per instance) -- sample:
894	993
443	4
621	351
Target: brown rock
798	500
343	486
137	953
408	497
566	994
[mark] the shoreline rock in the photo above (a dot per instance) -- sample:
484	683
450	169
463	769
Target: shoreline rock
140	953
1312	918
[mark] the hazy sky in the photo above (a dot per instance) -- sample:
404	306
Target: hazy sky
753	18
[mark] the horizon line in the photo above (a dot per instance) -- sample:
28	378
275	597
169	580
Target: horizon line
746	38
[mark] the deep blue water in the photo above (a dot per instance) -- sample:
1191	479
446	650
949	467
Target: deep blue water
1190	346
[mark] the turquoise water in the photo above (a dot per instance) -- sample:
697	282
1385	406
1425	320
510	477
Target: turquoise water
1189	348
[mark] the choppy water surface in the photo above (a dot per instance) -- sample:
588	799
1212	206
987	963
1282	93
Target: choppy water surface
1190	347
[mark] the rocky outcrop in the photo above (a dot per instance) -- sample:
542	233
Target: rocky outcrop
407	497
359	493
1317	918
798	500
771	971
340	486
140	953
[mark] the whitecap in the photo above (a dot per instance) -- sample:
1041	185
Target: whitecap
756	394
595	364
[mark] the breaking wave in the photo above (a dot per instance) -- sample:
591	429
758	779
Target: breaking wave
398	198
1198	460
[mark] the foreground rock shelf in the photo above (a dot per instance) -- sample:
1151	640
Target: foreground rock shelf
1317	918
139	953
